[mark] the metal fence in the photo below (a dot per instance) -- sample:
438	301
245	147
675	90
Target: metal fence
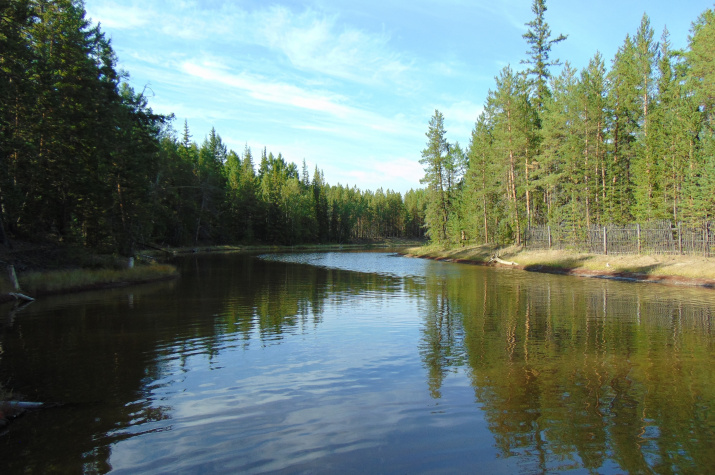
650	238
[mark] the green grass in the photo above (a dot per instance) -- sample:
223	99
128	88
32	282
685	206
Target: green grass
38	283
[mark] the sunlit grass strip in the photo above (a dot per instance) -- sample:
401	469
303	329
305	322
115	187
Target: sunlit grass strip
37	283
474	253
691	267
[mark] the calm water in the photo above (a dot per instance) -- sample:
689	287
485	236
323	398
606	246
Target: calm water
363	362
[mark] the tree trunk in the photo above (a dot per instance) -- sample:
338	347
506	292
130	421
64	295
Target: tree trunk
3	236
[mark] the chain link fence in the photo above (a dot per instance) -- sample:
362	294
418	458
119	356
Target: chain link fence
661	237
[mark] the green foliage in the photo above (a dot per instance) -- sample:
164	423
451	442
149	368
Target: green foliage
584	148
440	178
538	38
84	160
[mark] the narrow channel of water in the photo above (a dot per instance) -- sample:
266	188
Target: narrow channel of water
362	362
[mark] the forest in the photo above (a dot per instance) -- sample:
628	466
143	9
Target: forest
599	146
85	161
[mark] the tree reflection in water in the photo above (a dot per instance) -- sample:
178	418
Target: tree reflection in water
572	374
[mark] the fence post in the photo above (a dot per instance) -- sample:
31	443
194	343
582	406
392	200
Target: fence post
706	244
548	229
707	238
680	238
605	241
638	231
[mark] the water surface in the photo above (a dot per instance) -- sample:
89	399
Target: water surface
363	362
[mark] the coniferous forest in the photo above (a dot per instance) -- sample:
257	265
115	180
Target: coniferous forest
84	159
621	141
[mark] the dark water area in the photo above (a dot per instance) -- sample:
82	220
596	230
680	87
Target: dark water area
362	362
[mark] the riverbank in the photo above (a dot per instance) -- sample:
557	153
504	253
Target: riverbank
46	270
674	270
41	283
157	252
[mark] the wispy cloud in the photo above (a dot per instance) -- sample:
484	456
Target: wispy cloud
459	118
315	41
120	18
324	102
277	93
402	173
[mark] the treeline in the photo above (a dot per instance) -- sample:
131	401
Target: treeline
85	160
633	142
211	194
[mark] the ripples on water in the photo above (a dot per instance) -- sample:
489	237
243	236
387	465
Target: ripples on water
364	362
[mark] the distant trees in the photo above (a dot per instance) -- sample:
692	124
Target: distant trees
596	146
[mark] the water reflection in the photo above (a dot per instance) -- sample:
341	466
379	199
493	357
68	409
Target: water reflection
326	362
581	373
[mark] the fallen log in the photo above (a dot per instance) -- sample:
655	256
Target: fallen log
502	262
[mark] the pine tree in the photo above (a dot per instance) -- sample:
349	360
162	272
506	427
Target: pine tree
700	169
646	171
625	116
538	37
480	193
437	166
320	203
513	135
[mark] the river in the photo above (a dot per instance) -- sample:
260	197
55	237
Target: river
362	362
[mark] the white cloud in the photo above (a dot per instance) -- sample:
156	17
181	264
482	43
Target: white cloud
324	102
401	173
118	18
316	42
277	93
459	118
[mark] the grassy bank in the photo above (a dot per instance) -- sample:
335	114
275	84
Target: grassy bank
655	268
39	283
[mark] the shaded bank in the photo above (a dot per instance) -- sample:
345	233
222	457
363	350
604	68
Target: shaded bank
39	284
46	270
675	270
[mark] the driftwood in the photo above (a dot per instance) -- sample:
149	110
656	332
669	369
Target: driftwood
496	259
13	277
19	296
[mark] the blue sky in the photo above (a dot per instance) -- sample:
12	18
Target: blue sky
350	86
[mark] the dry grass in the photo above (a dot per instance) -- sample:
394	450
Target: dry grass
36	283
479	253
690	267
